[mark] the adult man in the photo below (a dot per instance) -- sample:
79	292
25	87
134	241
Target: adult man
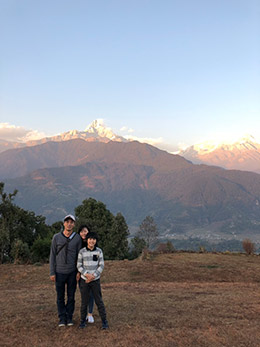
63	259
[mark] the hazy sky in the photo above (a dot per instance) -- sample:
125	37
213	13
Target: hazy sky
179	71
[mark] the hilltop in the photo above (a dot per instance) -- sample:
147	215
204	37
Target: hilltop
179	299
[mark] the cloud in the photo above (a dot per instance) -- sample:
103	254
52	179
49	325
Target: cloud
15	133
150	140
156	142
126	129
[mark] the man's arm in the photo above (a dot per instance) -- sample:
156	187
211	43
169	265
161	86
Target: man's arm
53	259
79	246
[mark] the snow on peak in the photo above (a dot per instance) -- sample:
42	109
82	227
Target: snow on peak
98	128
95	125
205	147
247	139
73	132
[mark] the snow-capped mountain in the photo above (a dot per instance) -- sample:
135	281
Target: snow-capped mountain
96	131
241	155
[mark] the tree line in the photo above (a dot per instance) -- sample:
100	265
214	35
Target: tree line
25	237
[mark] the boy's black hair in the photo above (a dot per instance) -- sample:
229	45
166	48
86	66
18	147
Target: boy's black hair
82	227
92	235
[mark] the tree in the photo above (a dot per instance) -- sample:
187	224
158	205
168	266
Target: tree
4	242
7	214
138	244
17	224
57	227
248	246
112	231
148	231
41	249
117	246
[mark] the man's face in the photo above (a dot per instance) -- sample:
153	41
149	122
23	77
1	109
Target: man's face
69	224
84	233
91	243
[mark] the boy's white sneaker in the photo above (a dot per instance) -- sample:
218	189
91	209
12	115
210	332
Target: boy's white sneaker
90	319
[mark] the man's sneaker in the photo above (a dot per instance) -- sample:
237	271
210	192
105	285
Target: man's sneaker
70	323
104	324
62	323
90	319
82	324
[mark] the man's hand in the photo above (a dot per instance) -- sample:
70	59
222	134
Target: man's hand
52	278
78	276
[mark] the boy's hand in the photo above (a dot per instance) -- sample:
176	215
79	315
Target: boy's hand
89	278
52	278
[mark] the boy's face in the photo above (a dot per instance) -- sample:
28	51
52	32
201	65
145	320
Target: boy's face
91	243
84	233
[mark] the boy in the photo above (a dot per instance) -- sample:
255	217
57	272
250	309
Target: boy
91	264
83	231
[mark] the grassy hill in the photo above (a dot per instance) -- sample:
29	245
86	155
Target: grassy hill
179	299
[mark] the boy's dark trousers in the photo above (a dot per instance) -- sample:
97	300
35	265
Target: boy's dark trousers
85	290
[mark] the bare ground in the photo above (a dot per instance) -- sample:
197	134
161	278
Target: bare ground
180	299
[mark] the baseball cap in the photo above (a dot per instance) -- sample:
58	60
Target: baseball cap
69	216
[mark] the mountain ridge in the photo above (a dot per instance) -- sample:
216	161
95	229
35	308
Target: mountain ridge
241	155
19	162
138	180
94	132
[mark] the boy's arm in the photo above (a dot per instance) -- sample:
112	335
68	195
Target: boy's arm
101	264
80	266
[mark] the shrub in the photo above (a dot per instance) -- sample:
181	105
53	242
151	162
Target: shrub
165	247
170	247
161	248
248	246
41	250
147	254
202	249
20	252
137	246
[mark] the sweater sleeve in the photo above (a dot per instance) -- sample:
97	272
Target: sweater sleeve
52	260
101	264
80	266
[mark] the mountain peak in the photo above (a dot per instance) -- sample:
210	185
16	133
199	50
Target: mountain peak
247	138
94	132
244	154
95	125
98	129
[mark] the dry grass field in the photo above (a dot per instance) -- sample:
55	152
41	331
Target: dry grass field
179	299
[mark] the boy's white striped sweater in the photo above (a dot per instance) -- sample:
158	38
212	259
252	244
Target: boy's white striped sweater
91	262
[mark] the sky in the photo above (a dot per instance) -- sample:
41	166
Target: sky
172	72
